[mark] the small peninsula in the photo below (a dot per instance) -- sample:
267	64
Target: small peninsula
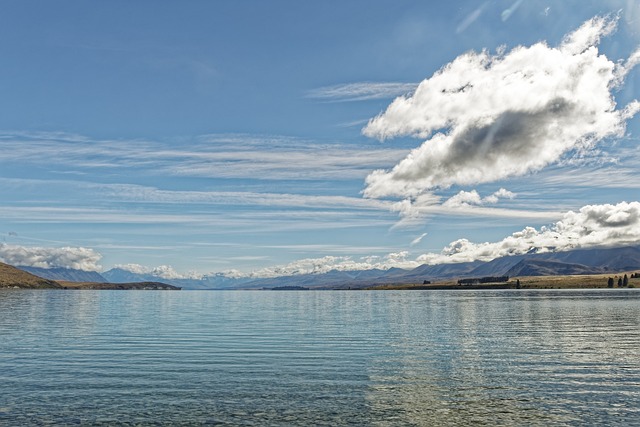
14	278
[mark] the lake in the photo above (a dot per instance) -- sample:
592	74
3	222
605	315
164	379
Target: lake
381	358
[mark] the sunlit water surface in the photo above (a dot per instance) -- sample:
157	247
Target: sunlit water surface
320	358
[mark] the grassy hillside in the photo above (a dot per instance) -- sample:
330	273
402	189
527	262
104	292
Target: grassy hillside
11	277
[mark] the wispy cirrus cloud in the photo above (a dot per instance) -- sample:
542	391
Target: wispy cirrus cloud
145	194
362	91
471	18
315	208
603	177
210	156
192	222
417	239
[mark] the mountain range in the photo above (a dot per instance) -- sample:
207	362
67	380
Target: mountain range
584	261
67	274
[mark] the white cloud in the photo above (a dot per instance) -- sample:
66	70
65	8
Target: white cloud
472	198
506	14
489	117
161	271
500	194
464	198
470	18
418	239
466	203
42	257
593	226
362	91
330	263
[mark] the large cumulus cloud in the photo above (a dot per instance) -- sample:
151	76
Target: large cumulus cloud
487	117
43	257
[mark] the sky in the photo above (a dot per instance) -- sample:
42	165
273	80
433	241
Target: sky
285	137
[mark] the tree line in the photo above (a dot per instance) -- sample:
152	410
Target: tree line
623	282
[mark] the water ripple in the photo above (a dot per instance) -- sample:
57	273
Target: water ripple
320	358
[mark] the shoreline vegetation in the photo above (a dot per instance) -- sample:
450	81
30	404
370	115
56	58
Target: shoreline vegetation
586	281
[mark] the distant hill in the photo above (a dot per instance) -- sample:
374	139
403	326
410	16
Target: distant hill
434	272
539	267
582	261
118	275
66	274
614	259
12	277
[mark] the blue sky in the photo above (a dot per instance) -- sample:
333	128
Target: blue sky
232	135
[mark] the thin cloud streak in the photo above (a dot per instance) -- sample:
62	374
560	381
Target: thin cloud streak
417	239
362	91
311	205
211	156
506	14
192	223
470	18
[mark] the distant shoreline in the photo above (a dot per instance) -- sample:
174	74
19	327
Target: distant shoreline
146	286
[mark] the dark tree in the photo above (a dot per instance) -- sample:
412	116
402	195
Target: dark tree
610	282
625	281
619	282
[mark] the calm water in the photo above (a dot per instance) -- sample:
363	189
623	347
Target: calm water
320	358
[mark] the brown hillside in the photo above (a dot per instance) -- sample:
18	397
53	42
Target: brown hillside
11	277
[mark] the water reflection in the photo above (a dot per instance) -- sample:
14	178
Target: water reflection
481	359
